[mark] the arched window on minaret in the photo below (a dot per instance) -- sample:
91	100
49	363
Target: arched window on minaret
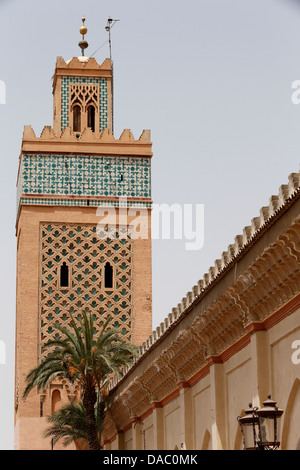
64	275
108	276
76	118
91	117
56	399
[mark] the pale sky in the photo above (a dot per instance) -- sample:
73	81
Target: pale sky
212	79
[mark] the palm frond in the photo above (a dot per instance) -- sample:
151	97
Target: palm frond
69	423
79	357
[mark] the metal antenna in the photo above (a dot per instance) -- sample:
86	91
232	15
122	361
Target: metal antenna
108	27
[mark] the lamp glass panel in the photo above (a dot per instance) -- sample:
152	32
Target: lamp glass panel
249	440
267	434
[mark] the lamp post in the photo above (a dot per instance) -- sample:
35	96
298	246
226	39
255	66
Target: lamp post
261	426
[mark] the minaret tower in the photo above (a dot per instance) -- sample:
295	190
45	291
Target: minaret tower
83	230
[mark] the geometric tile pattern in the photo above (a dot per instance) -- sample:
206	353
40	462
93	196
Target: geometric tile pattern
85	202
65	98
85	252
85	175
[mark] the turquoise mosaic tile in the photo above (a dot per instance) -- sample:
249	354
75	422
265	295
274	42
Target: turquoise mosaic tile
102	82
81	175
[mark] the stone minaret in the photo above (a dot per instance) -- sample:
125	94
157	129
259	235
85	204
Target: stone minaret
83	231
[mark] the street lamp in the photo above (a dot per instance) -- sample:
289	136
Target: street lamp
261	426
269	419
249	428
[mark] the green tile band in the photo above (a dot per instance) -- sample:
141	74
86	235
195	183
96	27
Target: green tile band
80	175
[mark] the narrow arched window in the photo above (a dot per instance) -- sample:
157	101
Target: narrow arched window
76	118
64	275
108	276
91	117
56	399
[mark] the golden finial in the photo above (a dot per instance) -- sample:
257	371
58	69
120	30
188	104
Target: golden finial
83	30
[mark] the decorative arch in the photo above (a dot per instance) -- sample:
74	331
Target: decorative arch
291	418
86	97
76	110
206	443
55	400
91	116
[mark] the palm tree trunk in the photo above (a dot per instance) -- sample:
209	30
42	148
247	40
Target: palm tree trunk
89	400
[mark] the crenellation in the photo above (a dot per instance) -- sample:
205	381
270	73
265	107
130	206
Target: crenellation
218	266
195	291
265	213
127	136
179	309
82	62
183	304
294	182
256	223
28	133
225	258
175	313
107	135
232	250
47	133
171	318
89	135
206	279
239	242
86	135
273	204
283	193
145	136
211	273
247	234
157	332
67	134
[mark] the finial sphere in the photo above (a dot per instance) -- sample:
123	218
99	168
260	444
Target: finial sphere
83	29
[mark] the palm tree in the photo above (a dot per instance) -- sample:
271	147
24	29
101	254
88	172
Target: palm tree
69	423
81	358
